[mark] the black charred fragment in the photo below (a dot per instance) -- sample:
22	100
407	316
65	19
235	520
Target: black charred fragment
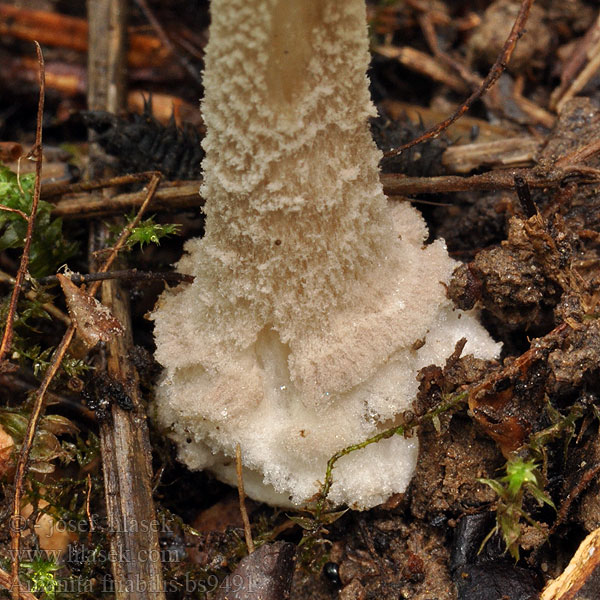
524	195
423	160
101	391
486	574
141	143
265	574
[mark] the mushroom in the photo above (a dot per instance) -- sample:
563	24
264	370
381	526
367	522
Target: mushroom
315	302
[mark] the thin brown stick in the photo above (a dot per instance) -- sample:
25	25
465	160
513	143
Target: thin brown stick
164	38
50	190
127	231
36	152
423	63
185	194
397	185
497	69
168	197
14	210
6	582
588	477
88	511
38	406
242	497
21	468
32	295
123	275
428	28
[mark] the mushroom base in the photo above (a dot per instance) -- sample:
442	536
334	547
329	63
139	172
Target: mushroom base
291	403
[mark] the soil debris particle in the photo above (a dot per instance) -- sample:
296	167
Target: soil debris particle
520	282
486	574
394	558
264	574
489	37
577	126
446	477
476	222
581	483
454	455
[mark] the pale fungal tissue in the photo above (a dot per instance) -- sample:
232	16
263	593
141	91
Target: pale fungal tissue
315	302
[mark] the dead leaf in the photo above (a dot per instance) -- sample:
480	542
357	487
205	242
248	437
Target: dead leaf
93	320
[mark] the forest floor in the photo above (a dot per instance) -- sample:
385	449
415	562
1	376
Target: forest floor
506	485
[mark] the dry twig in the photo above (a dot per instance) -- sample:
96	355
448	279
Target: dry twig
5	582
164	38
581	66
38	406
36	152
242	497
497	69
397	185
123	275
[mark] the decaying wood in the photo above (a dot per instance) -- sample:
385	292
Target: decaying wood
70	80
54	29
510	152
67	79
36	153
424	64
580	67
581	579
170	197
124	439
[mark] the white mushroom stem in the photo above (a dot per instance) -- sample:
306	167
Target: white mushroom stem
294	204
298	335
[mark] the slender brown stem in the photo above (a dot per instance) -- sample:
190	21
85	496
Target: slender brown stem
127	231
21	468
6	582
38	406
497	69
14	210
36	152
242	496
50	190
123	275
398	185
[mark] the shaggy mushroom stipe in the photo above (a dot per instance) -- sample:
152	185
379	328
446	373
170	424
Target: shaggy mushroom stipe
299	335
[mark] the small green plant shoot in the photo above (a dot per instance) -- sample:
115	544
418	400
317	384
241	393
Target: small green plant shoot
522	476
149	232
49	249
41	572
